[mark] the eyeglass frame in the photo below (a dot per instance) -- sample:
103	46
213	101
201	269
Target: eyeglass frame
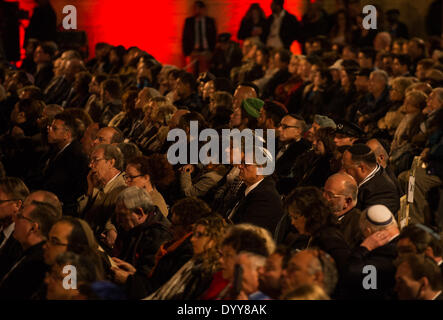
198	234
131	178
20	215
4	201
55	242
334	195
94	161
285	126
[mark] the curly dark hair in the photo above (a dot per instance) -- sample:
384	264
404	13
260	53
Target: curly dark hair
157	167
242	239
188	210
310	203
215	227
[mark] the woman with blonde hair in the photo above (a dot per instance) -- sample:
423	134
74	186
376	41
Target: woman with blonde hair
159	123
397	95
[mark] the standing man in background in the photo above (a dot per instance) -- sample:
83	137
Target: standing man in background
199	38
281	27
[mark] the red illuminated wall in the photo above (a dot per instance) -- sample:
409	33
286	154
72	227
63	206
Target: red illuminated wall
154	26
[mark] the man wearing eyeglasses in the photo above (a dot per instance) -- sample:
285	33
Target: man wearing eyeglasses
291	145
12	195
66	166
340	191
146	230
25	277
105	182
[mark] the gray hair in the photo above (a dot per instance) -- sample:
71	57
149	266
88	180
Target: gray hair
112	152
257	260
324	263
381	74
135	197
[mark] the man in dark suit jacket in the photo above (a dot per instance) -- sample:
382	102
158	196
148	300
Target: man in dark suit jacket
375	186
43	58
58	89
290	131
261	204
12	195
66	166
287	25
379	249
26	276
281	61
191	39
199	37
340	191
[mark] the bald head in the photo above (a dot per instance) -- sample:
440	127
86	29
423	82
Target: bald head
45	197
241	93
382	41
380	152
108	135
340	191
72	67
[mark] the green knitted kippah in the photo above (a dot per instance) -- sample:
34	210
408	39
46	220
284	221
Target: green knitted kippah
252	106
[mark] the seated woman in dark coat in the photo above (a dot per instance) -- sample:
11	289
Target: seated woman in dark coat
314	166
311	216
195	276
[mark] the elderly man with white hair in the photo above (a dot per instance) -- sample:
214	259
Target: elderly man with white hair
370	272
146	229
378	103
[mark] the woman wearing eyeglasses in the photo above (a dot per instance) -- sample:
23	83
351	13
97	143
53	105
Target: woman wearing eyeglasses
149	173
196	275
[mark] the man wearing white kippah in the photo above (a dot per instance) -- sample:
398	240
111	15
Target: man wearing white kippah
371	271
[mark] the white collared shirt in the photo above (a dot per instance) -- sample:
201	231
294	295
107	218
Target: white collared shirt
436	295
115	177
274	32
7	232
250	188
370	176
203	42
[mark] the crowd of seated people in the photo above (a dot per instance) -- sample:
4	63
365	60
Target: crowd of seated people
86	181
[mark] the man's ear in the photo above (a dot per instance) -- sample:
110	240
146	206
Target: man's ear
35	227
362	168
17	205
424	283
348	203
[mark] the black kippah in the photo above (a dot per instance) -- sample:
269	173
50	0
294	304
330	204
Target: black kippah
359	149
